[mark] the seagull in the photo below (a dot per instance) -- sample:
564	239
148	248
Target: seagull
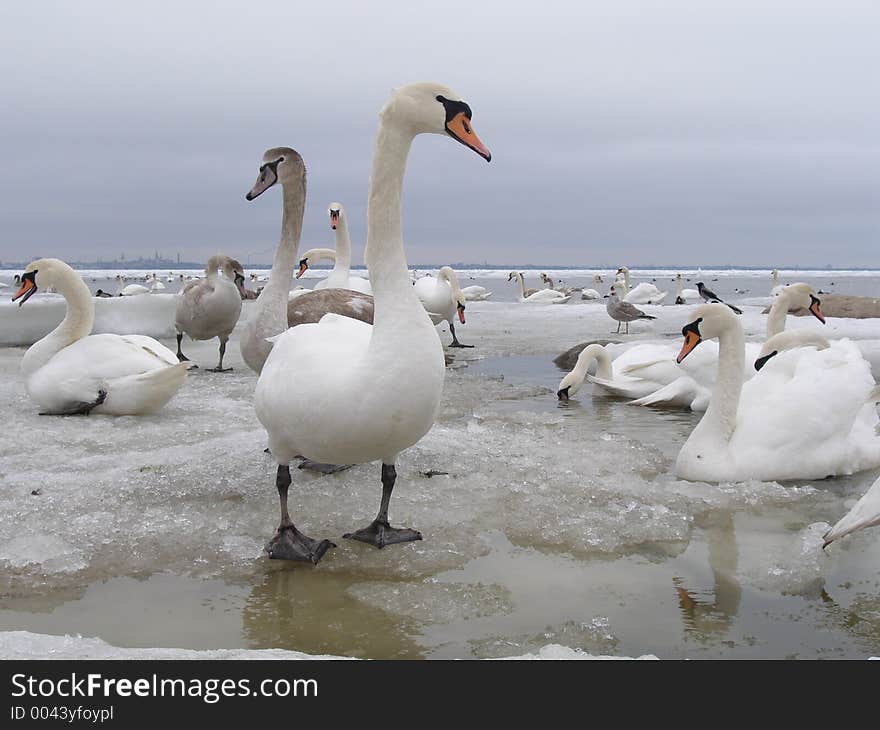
623	311
710	296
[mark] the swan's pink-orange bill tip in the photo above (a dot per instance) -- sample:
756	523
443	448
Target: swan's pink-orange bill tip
817	313
691	340
26	286
460	128
461	314
302	269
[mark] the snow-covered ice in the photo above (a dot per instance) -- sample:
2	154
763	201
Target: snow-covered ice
553	525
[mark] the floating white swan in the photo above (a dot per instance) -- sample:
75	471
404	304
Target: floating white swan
806	416
340	277
442	300
537	296
210	307
129	290
643	293
590	294
379	386
70	371
278	308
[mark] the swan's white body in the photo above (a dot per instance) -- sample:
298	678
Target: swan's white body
340	277
440	295
70	371
129	290
590	294
373	390
541	296
806	416
643	293
476	293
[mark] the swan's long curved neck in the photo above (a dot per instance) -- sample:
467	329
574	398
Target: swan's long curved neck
273	299
724	404
678	286
450	278
776	316
626	278
520	287
386	261
603	362
338	278
77	323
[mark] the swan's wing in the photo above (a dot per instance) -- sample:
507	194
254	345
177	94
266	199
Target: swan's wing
680	393
154	347
621	388
865	513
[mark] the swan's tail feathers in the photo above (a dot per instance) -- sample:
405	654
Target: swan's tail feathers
145	392
865	513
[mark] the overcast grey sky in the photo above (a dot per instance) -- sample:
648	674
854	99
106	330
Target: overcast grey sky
680	132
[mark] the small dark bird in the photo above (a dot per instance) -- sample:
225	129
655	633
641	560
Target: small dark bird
710	296
102	293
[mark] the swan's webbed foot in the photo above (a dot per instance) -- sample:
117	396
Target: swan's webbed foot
323	468
456	343
218	369
381	534
81	408
290	544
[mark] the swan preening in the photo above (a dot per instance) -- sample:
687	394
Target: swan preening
442	300
71	371
209	307
340	277
375	390
807	416
536	296
274	311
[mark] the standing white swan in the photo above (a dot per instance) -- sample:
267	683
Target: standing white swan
277	308
806	416
683	295
71	371
379	386
537	296
442	300
340	277
643	293
209	307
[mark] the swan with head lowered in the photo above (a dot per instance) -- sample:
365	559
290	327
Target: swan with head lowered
209	307
373	391
807	415
340	277
442	300
71	371
535	296
275	309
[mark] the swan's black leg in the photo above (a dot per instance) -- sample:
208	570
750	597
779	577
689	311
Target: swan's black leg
80	409
289	543
220	368
379	532
180	356
455	342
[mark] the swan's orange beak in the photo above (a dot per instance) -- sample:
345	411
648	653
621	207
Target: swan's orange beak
460	128
461	313
334	219
817	313
28	287
303	265
691	340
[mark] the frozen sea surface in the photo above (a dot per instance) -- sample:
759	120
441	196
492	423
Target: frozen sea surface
553	525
